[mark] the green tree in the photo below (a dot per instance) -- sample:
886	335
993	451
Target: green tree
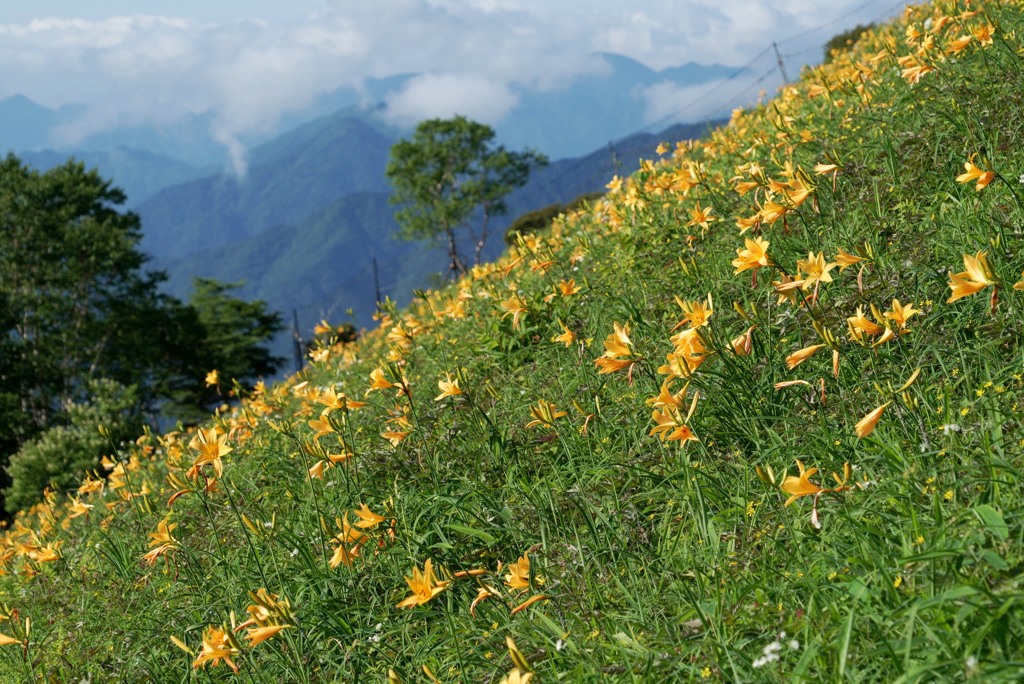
77	305
844	40
228	334
446	172
62	455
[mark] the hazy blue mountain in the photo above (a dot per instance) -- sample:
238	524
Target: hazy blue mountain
139	173
595	107
24	124
288	179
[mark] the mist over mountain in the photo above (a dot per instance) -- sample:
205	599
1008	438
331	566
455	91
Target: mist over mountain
301	212
567	119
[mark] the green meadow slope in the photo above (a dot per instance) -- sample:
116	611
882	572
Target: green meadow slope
755	415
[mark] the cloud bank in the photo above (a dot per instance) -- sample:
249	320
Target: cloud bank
472	55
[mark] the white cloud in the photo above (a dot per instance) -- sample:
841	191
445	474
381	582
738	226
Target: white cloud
474	54
444	95
667	103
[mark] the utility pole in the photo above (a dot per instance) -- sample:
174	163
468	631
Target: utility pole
616	164
376	282
782	65
297	343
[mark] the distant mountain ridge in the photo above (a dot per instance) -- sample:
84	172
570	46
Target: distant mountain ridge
607	103
289	178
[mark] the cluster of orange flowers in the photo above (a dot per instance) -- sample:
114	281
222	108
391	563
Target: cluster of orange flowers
425	584
269	614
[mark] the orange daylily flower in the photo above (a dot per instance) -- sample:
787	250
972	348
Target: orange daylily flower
845	259
448	387
753	255
618	351
567	337
518	576
424	586
669	428
977	277
866	425
544	414
801	355
218	645
701	217
816	269
801	485
901	314
972	173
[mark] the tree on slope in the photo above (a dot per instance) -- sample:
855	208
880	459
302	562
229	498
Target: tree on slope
76	306
448	170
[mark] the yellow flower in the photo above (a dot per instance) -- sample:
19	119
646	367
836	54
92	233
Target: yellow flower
448	387
568	288
801	485
256	635
367	518
515	676
984	34
544	413
1019	285
866	425
977	277
567	337
218	644
518	576
901	314
423	585
861	325
618	351
211	378
753	255
701	217
744	344
696	314
801	355
846	260
378	382
211	447
816	270
513	306
669	428
972	172
958	45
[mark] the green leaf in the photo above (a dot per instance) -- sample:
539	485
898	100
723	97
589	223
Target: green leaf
993	521
472	532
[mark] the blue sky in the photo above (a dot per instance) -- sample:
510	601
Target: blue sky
250	61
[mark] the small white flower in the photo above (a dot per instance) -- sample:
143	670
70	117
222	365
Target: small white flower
794	645
971	662
949	428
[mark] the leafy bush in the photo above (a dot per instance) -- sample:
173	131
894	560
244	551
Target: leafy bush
63	454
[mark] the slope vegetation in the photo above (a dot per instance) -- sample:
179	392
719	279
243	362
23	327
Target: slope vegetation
753	416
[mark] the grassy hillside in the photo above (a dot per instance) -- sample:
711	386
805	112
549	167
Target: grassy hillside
753	416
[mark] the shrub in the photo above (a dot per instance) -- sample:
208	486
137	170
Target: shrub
62	455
